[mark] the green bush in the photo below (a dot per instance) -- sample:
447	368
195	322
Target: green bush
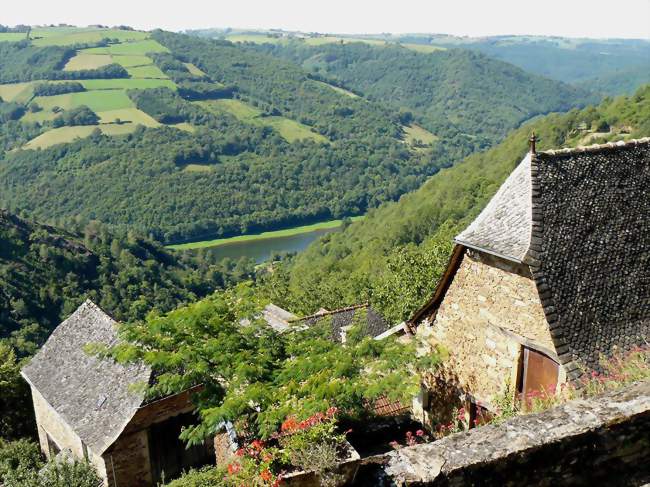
62	472
21	455
206	477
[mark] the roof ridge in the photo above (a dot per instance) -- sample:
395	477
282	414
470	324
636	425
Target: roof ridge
581	149
328	313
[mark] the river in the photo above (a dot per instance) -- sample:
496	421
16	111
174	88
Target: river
261	249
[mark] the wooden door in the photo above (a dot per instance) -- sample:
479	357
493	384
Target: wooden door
540	373
168	454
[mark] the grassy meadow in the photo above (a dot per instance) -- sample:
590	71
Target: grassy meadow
66	37
289	129
289	232
87	61
151	72
18	92
140	48
320	40
64	135
414	134
193	69
132	115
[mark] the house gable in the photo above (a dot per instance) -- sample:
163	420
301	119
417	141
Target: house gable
92	395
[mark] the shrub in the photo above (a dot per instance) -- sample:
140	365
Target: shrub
22	455
61	472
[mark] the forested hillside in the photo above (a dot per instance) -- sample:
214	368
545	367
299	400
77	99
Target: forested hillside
45	273
394	257
445	90
233	140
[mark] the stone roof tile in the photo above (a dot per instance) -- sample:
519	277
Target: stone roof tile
94	396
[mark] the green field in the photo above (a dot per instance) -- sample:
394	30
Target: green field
97	101
67	37
150	71
425	48
241	110
184	126
18	92
197	168
130	61
129	48
415	133
194	70
128	115
289	129
261	236
40	117
64	135
87	61
319	41
125	84
12	36
337	89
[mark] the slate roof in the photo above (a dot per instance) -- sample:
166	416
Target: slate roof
277	318
503	228
92	395
590	248
374	324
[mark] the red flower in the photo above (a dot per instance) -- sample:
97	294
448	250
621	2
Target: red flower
240	452
419	433
331	411
266	475
289	424
233	468
257	444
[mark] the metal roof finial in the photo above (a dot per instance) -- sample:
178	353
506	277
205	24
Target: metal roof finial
532	142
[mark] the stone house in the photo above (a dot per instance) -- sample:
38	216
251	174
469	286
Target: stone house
552	274
94	408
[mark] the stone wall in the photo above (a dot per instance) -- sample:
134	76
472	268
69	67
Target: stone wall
604	440
50	423
490	310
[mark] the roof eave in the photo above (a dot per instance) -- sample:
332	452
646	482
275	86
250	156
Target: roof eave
516	260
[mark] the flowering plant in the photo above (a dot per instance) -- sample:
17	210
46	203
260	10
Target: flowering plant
410	439
312	444
254	465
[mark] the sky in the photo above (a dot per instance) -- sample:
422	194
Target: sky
569	18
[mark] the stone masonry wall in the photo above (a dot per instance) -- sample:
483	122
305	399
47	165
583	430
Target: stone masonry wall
604	440
127	462
49	422
490	309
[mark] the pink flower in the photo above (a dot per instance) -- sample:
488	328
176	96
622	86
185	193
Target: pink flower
419	433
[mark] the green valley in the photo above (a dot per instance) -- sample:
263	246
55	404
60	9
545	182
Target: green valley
194	139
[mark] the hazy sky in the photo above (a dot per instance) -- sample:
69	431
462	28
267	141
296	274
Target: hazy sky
573	18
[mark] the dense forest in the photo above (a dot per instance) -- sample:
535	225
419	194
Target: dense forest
394	257
445	90
45	273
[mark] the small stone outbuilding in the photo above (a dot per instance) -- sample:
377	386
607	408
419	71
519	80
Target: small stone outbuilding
553	274
96	408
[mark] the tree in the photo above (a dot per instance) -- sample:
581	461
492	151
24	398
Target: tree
17	418
256	377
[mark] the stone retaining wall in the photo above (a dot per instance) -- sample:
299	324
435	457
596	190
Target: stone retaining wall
604	439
